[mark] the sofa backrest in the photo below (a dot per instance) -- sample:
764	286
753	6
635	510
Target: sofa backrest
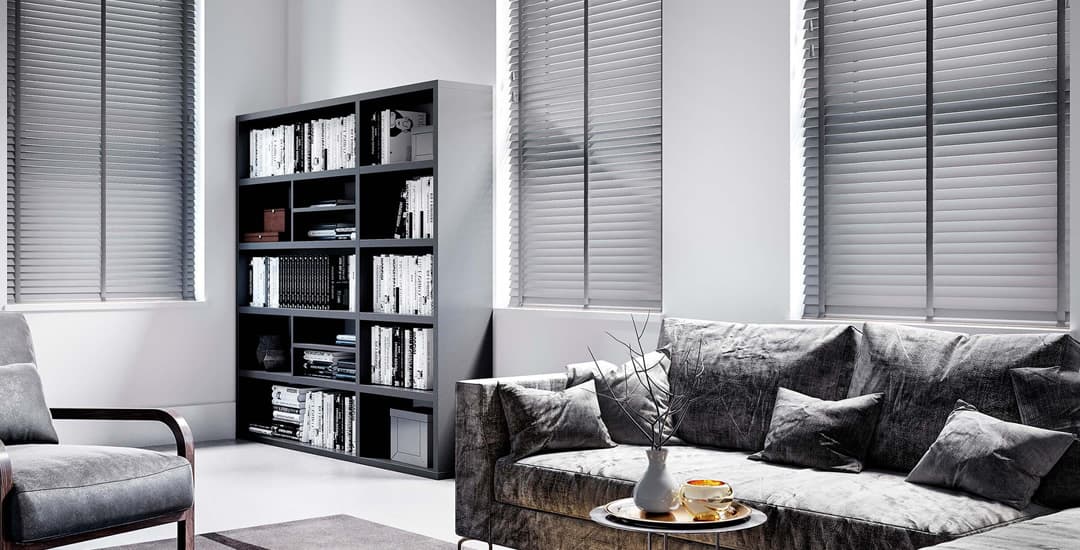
743	367
16	345
922	373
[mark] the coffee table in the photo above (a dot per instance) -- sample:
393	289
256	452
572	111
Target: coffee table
600	516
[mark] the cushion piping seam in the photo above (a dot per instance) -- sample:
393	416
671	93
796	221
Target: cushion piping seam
20	491
782	507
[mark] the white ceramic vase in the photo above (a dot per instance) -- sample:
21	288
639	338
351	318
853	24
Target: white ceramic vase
656	492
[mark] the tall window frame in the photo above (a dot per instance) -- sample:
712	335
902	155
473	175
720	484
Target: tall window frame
974	226
102	127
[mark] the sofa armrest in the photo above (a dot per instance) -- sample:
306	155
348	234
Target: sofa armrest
1057	531
185	442
481	438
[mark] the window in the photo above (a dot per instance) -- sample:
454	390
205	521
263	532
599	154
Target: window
935	159
101	147
585	147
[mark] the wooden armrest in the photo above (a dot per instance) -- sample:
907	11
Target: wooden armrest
185	443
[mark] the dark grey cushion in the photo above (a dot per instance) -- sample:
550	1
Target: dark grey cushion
619	386
544	421
1050	398
807	509
744	365
62	490
829	435
922	373
24	416
991	458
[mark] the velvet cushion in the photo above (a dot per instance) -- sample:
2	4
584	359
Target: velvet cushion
922	373
620	383
1050	398
991	458
544	421
743	367
24	416
62	490
828	435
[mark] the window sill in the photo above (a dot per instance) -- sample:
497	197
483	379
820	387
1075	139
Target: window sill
105	306
954	326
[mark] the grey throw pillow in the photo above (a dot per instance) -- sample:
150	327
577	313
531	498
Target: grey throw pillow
545	421
1050	398
24	416
617	384
991	458
828	435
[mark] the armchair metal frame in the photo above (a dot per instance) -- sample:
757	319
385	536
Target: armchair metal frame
185	447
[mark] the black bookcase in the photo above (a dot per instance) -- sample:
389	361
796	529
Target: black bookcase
462	254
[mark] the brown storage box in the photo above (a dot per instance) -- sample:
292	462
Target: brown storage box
274	220
264	237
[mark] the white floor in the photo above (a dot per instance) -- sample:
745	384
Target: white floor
240	484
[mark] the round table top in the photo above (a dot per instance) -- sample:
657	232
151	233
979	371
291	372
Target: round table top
600	515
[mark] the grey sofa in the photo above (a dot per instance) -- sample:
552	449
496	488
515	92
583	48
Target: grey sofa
54	495
543	501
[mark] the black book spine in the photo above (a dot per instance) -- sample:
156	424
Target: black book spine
286	284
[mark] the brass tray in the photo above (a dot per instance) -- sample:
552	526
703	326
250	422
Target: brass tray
624	511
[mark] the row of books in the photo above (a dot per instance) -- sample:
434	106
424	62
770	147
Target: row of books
391	135
323	419
303	282
333	365
401	356
402	284
323	144
332	231
416	210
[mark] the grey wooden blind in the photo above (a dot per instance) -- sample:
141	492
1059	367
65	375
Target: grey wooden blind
934	159
586	153
101	150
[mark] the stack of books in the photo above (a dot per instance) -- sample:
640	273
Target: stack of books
323	144
288	413
391	135
333	365
303	282
402	284
345	339
401	356
328	421
416	210
332	231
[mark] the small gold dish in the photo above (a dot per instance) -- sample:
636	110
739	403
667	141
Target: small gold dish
706	499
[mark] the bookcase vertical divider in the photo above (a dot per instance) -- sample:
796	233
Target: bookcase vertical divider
460	119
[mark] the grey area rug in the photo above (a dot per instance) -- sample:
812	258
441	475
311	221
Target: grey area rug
331	532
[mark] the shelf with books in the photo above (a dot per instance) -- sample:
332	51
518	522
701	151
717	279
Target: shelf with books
389	199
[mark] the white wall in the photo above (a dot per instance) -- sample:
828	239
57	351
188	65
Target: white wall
726	214
341	47
177	355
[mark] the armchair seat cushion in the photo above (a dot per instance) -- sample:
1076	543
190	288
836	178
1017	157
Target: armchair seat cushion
62	490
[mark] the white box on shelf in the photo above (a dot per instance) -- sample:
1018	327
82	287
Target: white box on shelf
410	437
423	143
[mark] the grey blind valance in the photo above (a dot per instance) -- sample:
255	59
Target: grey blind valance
935	159
101	150
586	153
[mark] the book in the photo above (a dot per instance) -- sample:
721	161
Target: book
394	134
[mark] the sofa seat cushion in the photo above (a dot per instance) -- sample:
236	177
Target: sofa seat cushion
1059	531
62	490
872	509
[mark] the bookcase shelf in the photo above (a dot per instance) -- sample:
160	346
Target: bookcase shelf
460	116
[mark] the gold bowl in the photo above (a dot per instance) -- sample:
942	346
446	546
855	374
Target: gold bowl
706	499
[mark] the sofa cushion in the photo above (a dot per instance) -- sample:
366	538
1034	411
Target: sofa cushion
1059	531
544	421
923	372
24	416
991	458
622	387
63	490
823	434
874	509
743	367
1050	398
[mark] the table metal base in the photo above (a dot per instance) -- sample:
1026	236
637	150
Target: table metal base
648	541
